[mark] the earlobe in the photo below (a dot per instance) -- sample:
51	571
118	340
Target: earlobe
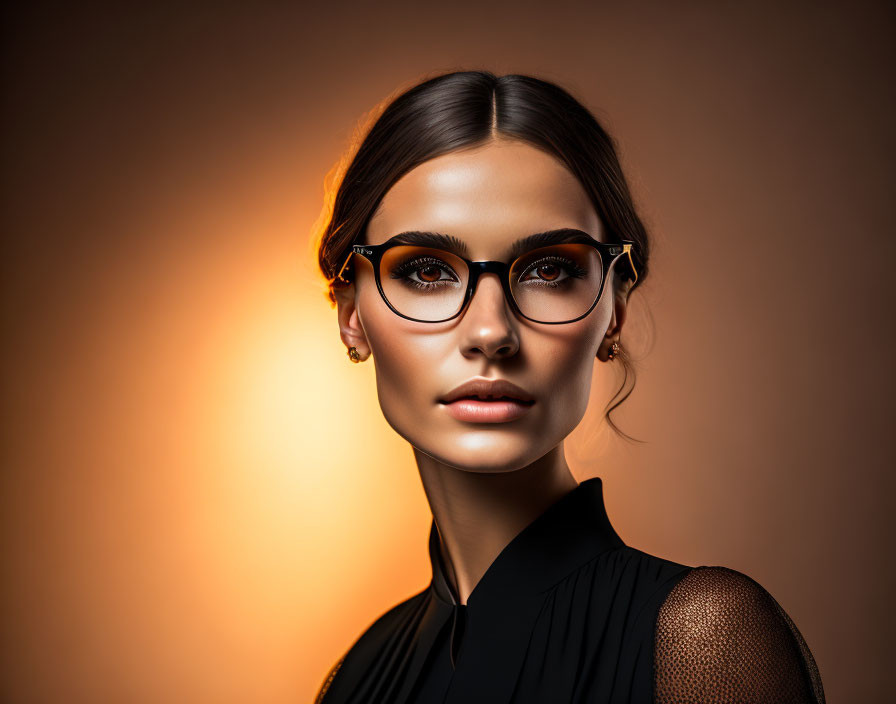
606	351
350	328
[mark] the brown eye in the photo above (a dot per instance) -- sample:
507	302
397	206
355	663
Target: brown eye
429	274
548	272
554	271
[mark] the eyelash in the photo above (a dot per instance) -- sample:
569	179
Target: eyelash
572	269
408	267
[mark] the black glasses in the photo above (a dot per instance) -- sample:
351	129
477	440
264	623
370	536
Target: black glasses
559	283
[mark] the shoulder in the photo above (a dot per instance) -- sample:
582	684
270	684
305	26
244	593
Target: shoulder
645	577
720	631
403	615
373	639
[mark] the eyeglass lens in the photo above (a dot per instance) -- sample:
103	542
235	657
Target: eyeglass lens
549	284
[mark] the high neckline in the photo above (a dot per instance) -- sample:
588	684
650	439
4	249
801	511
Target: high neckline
567	534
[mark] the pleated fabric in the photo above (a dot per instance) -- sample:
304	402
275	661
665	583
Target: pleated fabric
566	613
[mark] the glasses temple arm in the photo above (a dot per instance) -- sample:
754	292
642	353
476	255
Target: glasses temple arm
627	250
339	275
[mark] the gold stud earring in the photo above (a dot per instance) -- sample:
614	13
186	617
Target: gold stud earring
613	351
353	354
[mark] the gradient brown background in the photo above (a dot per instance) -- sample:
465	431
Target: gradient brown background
185	516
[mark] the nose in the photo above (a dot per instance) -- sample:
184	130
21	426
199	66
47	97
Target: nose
489	325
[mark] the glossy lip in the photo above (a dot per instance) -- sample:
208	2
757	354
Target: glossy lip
483	400
478	411
485	388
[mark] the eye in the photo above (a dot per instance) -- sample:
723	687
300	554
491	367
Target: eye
552	271
427	270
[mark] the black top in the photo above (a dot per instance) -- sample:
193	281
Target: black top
568	613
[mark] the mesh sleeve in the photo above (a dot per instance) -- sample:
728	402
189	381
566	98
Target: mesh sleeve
722	638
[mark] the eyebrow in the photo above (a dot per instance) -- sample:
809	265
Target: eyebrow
521	246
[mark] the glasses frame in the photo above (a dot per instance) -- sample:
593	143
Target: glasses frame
609	253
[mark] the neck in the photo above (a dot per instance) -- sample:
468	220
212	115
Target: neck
477	514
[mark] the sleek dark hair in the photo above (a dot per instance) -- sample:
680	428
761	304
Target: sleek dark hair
464	109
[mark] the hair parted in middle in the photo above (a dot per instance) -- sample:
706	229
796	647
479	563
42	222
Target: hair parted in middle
464	110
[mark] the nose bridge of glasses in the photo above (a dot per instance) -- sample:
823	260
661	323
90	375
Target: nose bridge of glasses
477	269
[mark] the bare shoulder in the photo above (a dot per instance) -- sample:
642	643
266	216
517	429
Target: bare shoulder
721	635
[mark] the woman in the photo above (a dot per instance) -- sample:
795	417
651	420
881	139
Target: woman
482	249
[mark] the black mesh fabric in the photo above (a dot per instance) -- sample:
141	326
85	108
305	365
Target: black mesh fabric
569	613
721	637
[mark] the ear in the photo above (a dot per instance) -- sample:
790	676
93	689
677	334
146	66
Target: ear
621	290
350	329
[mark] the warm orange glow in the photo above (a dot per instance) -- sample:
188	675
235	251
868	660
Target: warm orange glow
201	499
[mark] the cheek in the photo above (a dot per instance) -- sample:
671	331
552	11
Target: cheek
564	364
563	358
402	353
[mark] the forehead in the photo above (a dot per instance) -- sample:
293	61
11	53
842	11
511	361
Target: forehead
488	197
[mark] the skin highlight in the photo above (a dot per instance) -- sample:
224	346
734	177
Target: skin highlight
484	482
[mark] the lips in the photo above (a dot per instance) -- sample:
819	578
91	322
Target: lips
475	410
489	390
482	400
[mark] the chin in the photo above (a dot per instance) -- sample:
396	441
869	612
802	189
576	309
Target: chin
484	448
481	451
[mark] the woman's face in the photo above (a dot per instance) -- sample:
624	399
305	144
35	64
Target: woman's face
488	197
